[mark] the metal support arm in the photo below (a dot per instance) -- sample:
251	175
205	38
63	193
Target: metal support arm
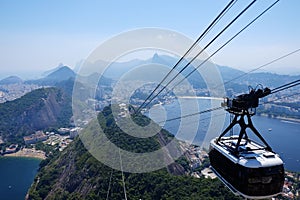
244	126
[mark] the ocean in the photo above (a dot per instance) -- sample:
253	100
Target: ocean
16	175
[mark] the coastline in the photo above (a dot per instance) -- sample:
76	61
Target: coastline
281	118
288	119
28	153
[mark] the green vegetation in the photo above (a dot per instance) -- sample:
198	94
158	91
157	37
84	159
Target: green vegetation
48	149
37	110
182	160
123	140
89	179
75	174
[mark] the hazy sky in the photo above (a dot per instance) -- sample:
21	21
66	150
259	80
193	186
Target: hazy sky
38	35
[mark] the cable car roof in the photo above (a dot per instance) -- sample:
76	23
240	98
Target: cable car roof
251	154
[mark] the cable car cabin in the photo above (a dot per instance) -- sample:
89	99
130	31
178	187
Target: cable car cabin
251	171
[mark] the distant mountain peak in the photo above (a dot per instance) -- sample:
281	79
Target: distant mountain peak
11	80
158	59
62	73
46	73
155	56
60	65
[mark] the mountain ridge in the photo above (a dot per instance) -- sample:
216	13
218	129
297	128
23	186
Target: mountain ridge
61	74
229	74
37	110
11	80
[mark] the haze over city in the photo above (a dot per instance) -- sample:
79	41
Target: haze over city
36	36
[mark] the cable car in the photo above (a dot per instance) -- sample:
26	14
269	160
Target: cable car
253	172
245	166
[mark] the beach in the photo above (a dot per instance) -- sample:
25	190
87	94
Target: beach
28	153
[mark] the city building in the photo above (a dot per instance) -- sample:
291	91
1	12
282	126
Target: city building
74	132
34	138
63	131
11	149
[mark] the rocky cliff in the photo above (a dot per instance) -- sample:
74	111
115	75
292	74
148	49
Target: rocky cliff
37	110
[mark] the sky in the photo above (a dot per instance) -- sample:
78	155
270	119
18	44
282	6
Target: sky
36	36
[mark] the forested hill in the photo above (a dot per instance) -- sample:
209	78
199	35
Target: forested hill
75	174
37	110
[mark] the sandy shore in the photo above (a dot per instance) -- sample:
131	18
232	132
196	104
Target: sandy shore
29	153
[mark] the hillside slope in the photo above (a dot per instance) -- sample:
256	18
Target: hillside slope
75	174
11	80
37	110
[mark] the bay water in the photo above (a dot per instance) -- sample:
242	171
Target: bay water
17	175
